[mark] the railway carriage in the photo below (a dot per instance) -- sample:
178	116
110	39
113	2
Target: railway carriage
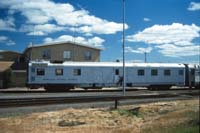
68	75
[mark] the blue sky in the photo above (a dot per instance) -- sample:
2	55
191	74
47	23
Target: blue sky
167	30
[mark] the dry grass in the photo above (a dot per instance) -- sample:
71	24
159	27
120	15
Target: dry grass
127	119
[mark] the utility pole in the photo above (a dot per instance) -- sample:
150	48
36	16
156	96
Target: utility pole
124	70
145	57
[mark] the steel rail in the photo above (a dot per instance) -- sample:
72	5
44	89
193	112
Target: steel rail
18	102
90	90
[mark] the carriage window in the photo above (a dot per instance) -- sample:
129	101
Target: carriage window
180	72
141	72
40	71
167	72
154	72
59	72
77	72
117	72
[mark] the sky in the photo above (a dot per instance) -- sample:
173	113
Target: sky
166	30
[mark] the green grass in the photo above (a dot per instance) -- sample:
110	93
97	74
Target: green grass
178	129
181	129
15	114
131	112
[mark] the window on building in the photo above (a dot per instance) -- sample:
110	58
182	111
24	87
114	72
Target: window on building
67	55
40	71
140	72
77	72
154	72
1	56
116	71
88	55
59	71
46	54
21	59
167	72
180	72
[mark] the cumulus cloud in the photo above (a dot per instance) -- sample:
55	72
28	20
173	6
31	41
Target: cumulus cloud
100	28
41	12
95	41
194	6
6	40
41	29
7	24
177	51
138	50
147	19
177	36
3	38
162	34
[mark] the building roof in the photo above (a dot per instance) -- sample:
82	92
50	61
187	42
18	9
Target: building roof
58	43
5	65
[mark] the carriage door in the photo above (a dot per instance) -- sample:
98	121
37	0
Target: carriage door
117	78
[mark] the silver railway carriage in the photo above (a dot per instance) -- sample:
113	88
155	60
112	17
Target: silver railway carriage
69	75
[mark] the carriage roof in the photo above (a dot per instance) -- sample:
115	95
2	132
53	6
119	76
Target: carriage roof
105	64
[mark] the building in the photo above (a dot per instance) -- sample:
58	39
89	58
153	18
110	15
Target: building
9	55
16	73
63	51
5	77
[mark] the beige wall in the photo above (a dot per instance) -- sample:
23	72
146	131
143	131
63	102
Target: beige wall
77	52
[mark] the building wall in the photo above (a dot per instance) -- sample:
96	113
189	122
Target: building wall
18	79
56	52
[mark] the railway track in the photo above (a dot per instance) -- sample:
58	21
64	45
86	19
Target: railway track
31	101
89	90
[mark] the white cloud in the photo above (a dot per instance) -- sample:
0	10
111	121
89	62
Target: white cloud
177	51
6	40
147	19
3	38
173	40
64	14
48	39
176	33
194	6
36	33
41	29
95	41
138	50
7	24
102	28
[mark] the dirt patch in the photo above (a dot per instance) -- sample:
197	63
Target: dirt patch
128	119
